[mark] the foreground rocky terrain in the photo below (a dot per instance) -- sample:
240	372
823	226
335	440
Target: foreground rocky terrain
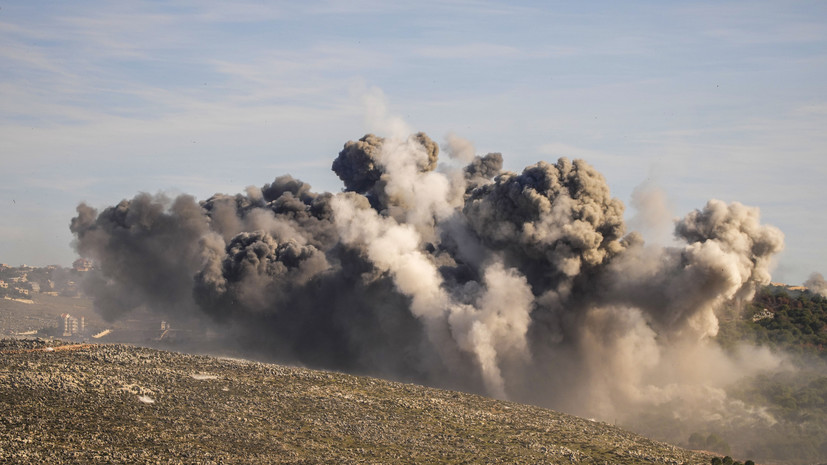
81	403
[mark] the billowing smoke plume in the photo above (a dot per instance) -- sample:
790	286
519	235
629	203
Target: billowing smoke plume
816	283
521	285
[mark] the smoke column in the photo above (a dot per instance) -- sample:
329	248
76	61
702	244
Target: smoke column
817	284
520	285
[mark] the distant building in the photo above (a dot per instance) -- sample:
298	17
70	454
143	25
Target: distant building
70	325
763	315
82	264
35	287
4	284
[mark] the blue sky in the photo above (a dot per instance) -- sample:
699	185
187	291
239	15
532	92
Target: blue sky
102	100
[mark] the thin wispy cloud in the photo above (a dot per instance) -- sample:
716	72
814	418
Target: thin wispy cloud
99	89
759	23
471	51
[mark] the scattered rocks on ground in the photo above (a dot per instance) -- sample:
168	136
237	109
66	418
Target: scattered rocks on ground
123	404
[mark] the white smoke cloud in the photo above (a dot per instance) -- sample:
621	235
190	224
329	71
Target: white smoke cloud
377	117
653	216
459	148
494	330
817	284
393	248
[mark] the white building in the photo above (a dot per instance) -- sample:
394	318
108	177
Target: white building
71	326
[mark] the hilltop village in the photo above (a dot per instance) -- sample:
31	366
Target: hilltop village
48	302
22	282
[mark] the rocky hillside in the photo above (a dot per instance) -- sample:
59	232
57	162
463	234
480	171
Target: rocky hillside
67	403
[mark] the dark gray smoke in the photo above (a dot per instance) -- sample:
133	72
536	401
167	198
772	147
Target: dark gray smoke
483	169
358	164
521	285
553	222
148	250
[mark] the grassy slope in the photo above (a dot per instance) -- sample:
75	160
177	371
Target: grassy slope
84	406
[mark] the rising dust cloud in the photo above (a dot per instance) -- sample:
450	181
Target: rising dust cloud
524	286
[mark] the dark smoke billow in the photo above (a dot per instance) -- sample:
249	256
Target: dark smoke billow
520	285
